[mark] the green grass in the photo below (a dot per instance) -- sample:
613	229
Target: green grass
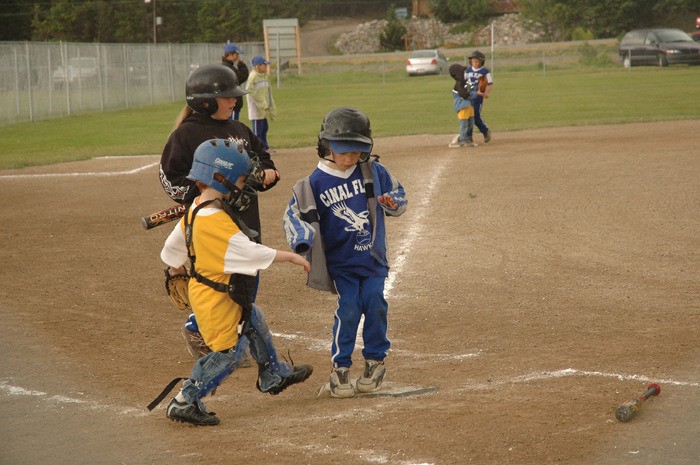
523	97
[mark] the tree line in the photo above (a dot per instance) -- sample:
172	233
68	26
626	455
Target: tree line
564	19
196	21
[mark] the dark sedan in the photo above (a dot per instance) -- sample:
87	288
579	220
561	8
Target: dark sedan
660	47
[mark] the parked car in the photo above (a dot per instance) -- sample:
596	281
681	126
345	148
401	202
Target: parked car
658	47
422	62
83	70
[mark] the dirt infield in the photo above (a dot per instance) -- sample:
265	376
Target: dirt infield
540	281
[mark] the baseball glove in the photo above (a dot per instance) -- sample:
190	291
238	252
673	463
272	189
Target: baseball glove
483	82
176	287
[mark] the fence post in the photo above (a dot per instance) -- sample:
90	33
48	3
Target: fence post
29	83
98	49
544	64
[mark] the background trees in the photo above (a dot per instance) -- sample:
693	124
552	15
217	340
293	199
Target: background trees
188	21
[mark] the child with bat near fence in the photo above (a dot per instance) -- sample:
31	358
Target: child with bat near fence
336	215
224	259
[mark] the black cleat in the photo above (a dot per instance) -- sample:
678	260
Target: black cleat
299	374
190	413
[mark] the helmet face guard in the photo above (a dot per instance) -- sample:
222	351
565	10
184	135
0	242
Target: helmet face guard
347	125
241	199
208	82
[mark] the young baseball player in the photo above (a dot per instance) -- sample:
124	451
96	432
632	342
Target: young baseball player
336	215
261	105
462	94
223	263
212	92
473	73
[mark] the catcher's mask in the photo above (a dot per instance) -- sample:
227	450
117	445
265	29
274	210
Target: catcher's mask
479	56
345	130
219	163
241	198
206	83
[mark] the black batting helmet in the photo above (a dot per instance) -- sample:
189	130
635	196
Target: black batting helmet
479	55
206	83
348	125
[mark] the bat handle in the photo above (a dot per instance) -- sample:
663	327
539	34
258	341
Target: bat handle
652	390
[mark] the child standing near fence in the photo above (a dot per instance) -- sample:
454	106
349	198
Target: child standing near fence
261	105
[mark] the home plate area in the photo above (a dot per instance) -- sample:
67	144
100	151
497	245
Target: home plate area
388	389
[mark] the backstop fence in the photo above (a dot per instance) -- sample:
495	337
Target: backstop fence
41	80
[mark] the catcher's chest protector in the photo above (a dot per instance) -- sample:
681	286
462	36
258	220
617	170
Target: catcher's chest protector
241	288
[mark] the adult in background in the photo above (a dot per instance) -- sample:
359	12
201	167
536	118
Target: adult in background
232	59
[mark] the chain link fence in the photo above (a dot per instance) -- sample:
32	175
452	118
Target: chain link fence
41	80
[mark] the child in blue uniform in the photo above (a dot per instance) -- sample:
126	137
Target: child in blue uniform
336	215
473	73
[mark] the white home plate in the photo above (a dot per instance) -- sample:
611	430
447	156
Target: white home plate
388	389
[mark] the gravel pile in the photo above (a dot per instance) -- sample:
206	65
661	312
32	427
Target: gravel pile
509	29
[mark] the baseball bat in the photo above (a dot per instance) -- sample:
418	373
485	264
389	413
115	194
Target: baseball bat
629	410
164	216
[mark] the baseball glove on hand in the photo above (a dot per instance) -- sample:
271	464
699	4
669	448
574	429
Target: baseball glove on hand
177	288
483	82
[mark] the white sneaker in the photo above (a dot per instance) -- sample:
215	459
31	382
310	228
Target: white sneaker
340	383
454	142
372	377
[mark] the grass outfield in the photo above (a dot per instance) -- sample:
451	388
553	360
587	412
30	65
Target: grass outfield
396	104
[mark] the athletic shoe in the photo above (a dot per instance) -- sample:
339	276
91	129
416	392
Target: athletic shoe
455	140
300	373
190	413
340	383
195	343
453	145
487	136
372	377
463	144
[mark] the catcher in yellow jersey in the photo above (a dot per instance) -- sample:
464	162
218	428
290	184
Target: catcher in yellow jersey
223	261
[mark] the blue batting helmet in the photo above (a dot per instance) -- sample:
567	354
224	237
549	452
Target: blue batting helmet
218	163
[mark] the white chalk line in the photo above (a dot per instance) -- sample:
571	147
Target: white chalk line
325	346
365	455
416	227
568	372
69	175
11	390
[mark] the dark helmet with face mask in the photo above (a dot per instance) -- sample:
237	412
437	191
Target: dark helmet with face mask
478	55
206	83
345	130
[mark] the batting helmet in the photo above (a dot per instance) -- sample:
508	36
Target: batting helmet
345	130
218	163
479	55
206	83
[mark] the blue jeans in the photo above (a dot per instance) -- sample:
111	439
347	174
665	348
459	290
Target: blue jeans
478	102
359	296
466	127
212	369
